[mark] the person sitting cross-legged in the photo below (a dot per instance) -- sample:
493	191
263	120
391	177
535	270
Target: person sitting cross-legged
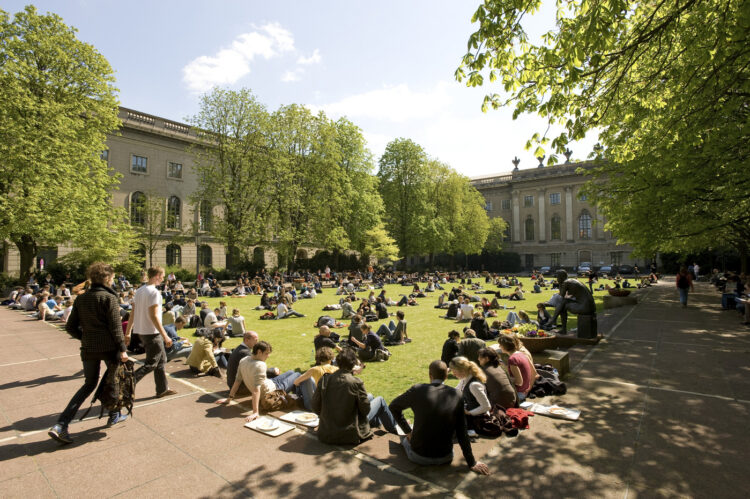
438	416
252	373
284	312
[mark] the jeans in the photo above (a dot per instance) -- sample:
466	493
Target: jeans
387	331
156	357
91	376
285	381
379	413
683	296
421	460
306	390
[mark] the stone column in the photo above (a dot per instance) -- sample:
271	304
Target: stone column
569	214
516	219
542	218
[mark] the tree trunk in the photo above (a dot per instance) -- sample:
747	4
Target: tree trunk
432	260
27	248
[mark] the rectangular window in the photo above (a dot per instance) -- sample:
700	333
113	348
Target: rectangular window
529	261
554	198
616	257
506	204
139	164
554	259
488	205
528	201
105	155
174	170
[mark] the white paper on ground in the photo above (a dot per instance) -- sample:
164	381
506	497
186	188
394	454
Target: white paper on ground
280	429
552	411
292	418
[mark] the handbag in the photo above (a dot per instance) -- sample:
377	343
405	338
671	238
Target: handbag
278	400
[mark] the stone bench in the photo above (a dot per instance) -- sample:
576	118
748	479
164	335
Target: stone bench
558	359
619	301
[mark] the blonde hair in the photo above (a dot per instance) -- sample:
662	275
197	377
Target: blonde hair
464	365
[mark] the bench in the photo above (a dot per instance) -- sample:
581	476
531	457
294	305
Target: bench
558	359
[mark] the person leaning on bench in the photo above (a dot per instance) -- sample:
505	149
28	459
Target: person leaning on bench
438	415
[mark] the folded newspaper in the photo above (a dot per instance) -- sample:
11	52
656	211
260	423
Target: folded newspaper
552	411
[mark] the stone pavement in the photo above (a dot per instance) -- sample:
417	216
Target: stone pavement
665	400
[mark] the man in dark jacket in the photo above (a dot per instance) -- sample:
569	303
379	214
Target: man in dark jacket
345	408
95	320
438	415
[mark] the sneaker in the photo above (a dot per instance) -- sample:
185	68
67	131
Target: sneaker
166	393
60	433
471	433
116	418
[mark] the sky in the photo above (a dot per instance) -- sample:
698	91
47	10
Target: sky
388	66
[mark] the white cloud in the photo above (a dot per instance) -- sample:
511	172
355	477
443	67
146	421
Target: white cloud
313	59
393	103
291	76
231	63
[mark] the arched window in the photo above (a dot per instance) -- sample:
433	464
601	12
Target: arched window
205	256
174	213
137	208
204	216
555	231
259	256
529	226
584	225
174	255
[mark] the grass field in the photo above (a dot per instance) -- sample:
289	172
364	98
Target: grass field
292	339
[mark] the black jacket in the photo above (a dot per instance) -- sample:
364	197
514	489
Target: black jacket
438	415
95	320
341	401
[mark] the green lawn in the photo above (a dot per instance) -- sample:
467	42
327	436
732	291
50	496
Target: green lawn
292	339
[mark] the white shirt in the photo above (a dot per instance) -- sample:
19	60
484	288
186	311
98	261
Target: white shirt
479	391
236	323
281	311
253	374
210	319
146	297
467	311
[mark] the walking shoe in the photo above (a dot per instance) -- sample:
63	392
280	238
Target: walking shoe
116	418
471	433
60	433
166	393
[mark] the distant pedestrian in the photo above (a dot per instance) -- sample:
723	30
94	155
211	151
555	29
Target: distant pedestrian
684	283
95	320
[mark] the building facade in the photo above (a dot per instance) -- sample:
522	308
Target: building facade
153	156
550	221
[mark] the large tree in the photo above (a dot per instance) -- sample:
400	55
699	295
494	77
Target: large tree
308	182
57	104
404	180
234	166
667	86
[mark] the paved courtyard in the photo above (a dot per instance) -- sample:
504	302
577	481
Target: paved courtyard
664	400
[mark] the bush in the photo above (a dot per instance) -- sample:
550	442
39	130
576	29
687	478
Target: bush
181	273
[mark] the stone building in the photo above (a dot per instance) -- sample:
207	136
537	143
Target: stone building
550	221
153	157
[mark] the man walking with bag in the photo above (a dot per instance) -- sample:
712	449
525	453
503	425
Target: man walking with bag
145	321
95	320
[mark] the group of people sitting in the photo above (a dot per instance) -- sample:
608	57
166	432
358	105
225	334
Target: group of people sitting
735	292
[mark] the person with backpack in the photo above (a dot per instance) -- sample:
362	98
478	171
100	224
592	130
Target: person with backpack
95	321
684	283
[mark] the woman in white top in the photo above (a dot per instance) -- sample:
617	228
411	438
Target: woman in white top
283	312
238	324
471	387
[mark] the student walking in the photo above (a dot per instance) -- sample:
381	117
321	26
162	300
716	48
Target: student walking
684	283
95	320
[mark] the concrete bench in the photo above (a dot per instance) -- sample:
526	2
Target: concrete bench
558	359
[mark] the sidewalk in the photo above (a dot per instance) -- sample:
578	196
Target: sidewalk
665	401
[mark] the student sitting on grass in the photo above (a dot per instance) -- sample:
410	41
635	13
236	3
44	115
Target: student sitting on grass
450	347
237	324
374	351
284	312
471	387
307	383
395	334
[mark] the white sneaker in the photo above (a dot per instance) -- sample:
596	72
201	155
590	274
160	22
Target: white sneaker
471	433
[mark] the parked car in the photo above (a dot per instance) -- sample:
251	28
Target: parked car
545	270
608	269
625	269
584	268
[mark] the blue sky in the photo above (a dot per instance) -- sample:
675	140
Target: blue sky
387	65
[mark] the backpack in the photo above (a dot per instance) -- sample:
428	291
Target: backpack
325	320
116	390
683	282
267	316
